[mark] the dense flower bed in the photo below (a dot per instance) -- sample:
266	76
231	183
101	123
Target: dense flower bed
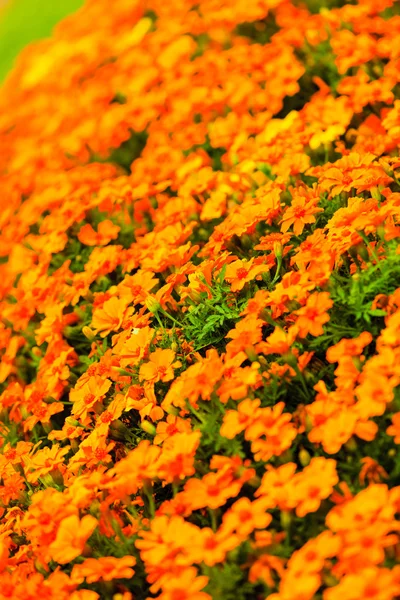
200	304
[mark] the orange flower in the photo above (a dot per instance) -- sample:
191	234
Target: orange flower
213	547
394	428
245	516
274	485
86	397
348	172
135	288
271	433
167	539
110	316
41	462
41	521
177	456
213	490
112	413
374	393
278	342
246	334
314	314
134	471
236	421
168	428
299	214
106	232
302	576
143	399
332	424
92	451
105	568
373	583
314	484
239	272
350	347
263	567
187	586
133	348
372	471
12	487
71	538
160	367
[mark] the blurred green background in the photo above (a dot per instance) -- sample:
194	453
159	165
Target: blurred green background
23	21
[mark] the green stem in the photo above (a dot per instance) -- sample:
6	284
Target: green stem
196	414
302	380
213	516
125	372
278	270
367	243
159	321
164	312
148	491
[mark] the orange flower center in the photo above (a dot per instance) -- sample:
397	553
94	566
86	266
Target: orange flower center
244	515
45	519
347	179
10	454
106	417
210	544
136	289
162	371
100	453
313	492
89	398
241	273
213	490
299	212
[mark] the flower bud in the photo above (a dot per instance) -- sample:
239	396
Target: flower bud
254	481
362	252
251	353
195	296
380	230
247	242
290	359
152	304
308	423
329	580
351	445
88	333
278	249
265	314
118	430
286	519
304	457
87	551
148	427
57	477
47	480
47	427
266	277
375	193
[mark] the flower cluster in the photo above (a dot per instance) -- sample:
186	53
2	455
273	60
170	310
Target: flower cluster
200	304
